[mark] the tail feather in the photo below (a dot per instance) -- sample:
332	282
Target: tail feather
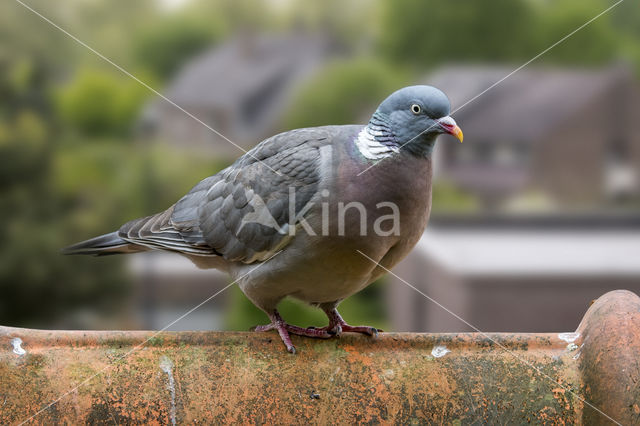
103	245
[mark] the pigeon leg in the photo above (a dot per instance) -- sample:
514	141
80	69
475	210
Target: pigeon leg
337	325
277	323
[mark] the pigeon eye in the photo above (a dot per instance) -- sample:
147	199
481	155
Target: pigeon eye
415	108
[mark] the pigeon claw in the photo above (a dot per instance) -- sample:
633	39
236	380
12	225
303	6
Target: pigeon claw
371	331
319	333
339	325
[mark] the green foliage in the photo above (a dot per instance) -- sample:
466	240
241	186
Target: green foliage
595	44
428	32
347	22
447	197
36	282
625	18
168	43
235	16
98	102
344	93
364	308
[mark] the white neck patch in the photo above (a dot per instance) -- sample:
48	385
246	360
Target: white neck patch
370	148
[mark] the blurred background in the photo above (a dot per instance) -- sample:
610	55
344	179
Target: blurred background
535	215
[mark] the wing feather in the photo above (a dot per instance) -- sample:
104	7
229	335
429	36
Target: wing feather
221	215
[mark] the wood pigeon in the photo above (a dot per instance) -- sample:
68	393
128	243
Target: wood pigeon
291	216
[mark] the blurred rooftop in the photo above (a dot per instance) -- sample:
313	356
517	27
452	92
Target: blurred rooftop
534	252
528	104
241	88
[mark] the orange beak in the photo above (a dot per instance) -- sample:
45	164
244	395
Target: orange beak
449	125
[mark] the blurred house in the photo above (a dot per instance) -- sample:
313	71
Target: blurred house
567	136
240	88
526	274
571	135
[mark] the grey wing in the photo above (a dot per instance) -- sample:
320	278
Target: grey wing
246	214
243	212
159	232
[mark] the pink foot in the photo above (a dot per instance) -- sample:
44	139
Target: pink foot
277	323
338	329
337	325
320	333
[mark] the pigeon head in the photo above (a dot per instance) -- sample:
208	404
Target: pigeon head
413	117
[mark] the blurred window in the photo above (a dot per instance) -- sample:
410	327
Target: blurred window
511	154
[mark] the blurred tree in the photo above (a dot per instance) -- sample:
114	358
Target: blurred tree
98	102
347	24
595	44
625	18
344	93
37	283
166	44
428	32
39	286
109	26
236	16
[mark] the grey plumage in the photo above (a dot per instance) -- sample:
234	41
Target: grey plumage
104	244
245	214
